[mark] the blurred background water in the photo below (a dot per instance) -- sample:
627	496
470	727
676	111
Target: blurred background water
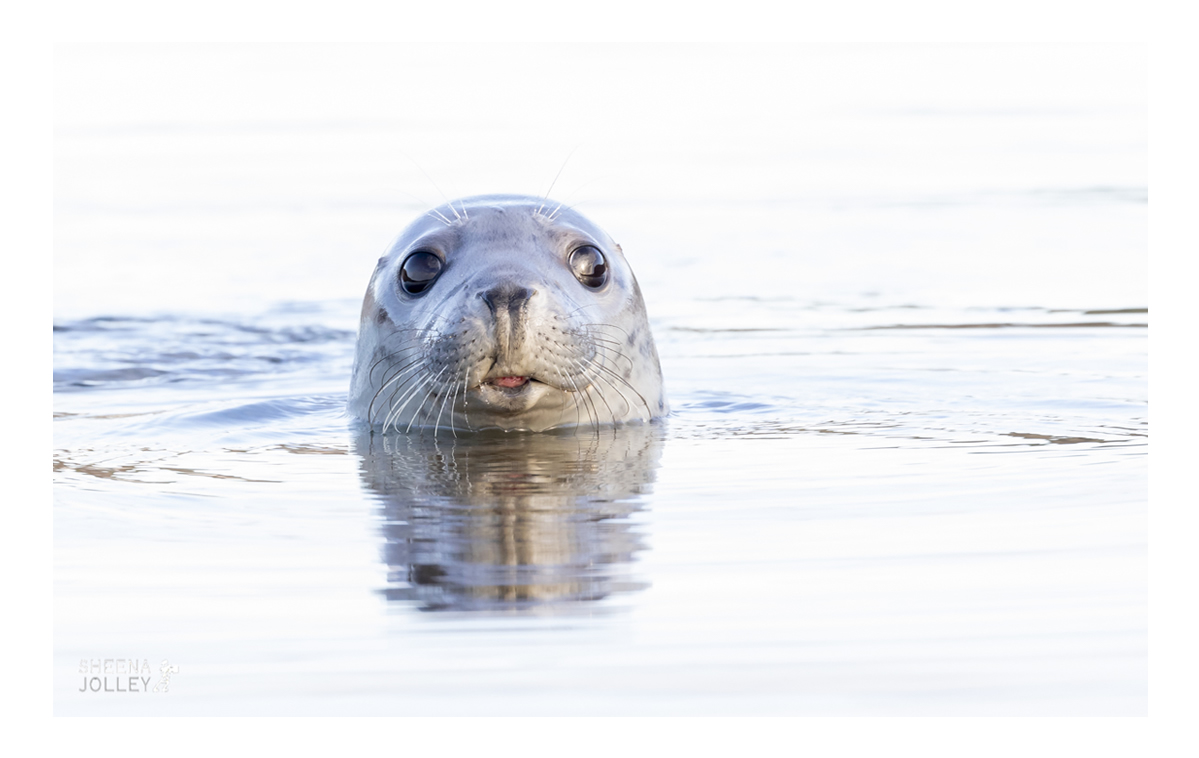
900	296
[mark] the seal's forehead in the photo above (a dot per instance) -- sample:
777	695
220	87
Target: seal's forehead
495	218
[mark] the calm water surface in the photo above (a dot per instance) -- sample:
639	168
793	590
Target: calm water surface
905	471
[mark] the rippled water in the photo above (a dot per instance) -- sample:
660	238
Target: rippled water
905	470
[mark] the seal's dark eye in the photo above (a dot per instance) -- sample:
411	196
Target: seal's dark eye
589	266
418	271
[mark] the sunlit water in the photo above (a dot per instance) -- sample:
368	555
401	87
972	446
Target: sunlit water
905	470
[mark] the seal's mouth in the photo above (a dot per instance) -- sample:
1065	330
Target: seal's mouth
510	382
503	383
511	386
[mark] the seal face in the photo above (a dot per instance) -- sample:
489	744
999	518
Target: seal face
504	312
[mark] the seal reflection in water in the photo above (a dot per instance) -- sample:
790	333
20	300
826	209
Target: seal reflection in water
504	312
525	522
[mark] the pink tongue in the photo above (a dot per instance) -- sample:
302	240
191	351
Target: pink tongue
510	381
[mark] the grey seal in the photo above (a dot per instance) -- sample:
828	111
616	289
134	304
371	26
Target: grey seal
504	312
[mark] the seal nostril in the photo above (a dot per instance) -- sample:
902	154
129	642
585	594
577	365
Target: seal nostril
517	300
511	297
489	297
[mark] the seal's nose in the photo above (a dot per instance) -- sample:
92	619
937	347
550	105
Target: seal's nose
507	303
507	297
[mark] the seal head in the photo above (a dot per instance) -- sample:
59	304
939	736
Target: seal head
504	312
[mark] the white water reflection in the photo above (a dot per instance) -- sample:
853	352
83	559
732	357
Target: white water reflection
510	522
